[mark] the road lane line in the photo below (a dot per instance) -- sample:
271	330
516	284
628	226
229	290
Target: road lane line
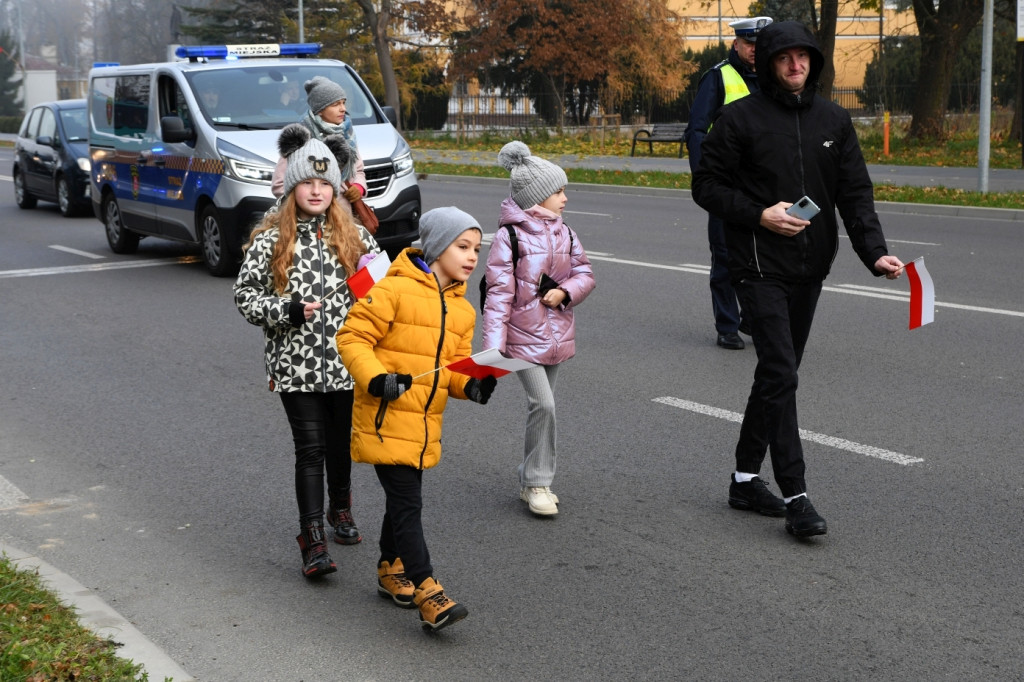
76	252
838	289
10	496
820	438
96	267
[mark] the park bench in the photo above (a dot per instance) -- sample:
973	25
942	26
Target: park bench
660	132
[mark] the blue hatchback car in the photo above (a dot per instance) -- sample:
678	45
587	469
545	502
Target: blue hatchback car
51	157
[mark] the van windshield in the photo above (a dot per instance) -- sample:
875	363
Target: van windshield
271	96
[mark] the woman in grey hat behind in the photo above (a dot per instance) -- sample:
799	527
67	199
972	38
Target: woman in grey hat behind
326	116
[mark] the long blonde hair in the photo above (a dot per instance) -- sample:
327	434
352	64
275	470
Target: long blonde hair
339	232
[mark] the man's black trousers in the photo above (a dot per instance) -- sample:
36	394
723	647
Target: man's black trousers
780	315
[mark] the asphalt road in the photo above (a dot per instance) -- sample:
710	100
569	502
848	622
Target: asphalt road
158	468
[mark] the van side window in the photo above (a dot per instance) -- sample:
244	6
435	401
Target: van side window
173	102
120	105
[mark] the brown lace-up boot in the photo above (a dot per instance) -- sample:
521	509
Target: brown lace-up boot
437	610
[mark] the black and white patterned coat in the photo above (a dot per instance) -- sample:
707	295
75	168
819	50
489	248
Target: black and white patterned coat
299	357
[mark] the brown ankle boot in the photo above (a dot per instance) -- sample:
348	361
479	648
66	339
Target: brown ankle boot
436	609
391	582
315	559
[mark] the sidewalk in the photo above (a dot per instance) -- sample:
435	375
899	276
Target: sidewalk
99	617
999	180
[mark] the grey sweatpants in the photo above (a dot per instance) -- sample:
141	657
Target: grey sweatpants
538	467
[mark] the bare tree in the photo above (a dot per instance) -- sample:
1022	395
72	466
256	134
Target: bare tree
379	19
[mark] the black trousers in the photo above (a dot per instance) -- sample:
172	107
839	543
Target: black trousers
723	295
780	316
322	430
401	533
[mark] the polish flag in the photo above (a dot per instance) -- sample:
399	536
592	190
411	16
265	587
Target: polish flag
486	363
922	294
365	277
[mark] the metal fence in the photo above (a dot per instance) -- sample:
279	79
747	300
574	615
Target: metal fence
473	114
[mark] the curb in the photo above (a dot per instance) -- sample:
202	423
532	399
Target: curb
1012	214
99	617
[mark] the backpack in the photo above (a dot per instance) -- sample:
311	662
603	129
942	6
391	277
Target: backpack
513	241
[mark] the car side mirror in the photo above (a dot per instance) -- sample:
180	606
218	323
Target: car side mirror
389	114
172	129
45	140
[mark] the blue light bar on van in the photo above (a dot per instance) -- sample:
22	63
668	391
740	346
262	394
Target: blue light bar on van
100	65
244	51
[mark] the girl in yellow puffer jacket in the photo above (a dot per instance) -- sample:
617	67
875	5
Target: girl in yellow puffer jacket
396	343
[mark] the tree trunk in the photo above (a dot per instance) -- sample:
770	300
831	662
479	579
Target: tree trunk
378	23
942	31
1015	127
827	41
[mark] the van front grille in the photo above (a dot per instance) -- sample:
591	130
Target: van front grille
378	178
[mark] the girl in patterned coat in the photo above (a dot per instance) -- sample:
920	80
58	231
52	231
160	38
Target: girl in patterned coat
292	284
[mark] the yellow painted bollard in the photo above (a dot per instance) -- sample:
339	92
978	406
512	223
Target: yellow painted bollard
885	132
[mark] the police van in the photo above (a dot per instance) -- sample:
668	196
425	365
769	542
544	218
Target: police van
186	150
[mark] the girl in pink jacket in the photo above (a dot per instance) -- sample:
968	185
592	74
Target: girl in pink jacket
530	302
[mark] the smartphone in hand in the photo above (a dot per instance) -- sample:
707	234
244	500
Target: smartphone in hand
804	208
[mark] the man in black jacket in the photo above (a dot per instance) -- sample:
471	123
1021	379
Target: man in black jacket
764	153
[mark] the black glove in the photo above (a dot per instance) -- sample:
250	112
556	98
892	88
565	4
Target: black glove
480	390
389	386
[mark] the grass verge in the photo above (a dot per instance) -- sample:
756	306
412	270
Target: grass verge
911	195
42	640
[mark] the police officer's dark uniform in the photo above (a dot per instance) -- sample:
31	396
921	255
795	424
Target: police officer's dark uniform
725	82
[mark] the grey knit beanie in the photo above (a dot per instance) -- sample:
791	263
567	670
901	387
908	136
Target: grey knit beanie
533	178
322	91
308	157
439	227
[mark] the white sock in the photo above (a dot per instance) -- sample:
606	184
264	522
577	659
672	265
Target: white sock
743	478
790	499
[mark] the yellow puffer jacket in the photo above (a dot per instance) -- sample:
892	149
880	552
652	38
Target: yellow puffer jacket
406	325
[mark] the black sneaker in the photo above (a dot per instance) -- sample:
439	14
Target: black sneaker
755	496
802	520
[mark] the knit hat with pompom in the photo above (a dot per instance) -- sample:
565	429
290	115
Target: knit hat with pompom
308	157
533	178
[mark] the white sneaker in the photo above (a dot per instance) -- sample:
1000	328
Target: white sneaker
539	501
554	497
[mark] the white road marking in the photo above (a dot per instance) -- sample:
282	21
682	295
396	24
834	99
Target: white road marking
76	252
120	265
10	496
852	289
898	241
820	438
600	215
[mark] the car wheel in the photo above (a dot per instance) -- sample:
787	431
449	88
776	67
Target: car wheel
67	206
120	238
21	195
214	241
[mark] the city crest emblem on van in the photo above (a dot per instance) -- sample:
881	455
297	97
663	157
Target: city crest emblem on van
320	165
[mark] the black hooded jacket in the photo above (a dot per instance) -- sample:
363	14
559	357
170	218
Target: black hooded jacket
776	146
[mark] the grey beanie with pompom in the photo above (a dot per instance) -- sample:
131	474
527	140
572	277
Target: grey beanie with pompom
533	178
308	157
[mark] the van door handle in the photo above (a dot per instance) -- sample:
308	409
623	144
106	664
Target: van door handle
160	162
142	160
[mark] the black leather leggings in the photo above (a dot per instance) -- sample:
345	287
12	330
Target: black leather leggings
322	430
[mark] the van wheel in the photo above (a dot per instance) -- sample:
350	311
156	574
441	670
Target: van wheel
120	238
214	242
21	195
64	202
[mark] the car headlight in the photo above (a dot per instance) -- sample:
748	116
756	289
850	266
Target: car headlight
84	164
403	165
250	172
244	165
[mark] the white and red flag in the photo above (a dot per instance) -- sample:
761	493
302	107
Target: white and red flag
486	363
922	294
365	277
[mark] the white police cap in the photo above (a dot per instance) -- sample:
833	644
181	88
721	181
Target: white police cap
749	28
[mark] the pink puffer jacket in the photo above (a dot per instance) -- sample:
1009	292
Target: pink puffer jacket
515	321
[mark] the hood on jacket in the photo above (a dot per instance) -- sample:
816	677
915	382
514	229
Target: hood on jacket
779	36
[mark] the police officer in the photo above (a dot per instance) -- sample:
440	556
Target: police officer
723	83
